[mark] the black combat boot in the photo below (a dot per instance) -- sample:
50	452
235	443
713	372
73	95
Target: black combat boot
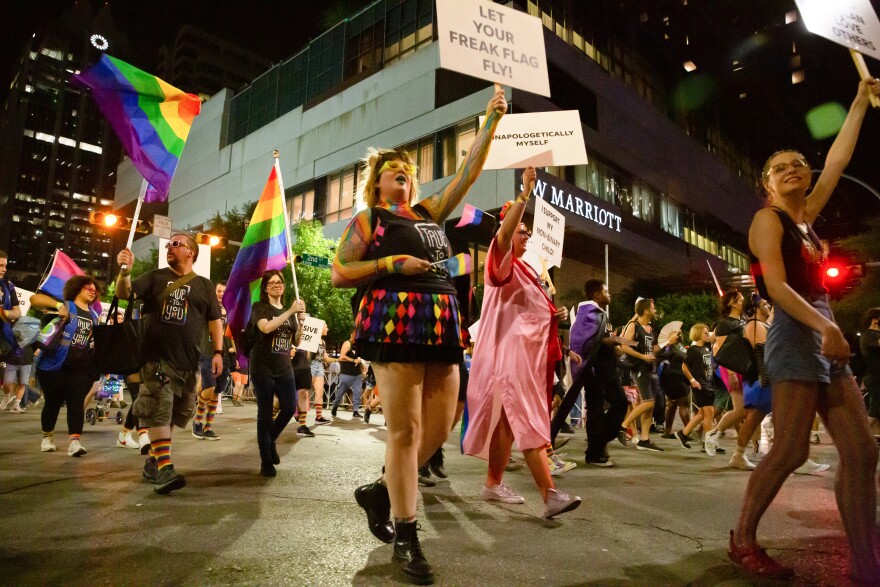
408	557
373	497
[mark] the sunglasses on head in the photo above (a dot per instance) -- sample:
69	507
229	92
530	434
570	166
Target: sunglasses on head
175	244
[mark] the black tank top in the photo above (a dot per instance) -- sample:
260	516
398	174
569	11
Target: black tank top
347	367
803	257
645	342
421	238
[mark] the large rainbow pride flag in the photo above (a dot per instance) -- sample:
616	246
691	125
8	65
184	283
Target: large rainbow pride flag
151	117
263	247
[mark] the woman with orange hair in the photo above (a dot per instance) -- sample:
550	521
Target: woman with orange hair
407	325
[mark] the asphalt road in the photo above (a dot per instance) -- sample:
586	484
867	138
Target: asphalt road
654	519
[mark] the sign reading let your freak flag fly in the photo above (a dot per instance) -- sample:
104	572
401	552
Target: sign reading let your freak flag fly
851	23
539	139
494	43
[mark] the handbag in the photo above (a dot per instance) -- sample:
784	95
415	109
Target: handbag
737	355
119	347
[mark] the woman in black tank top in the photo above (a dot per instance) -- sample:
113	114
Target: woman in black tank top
806	355
407	325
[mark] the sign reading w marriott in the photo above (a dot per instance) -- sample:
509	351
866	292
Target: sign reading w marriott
582	204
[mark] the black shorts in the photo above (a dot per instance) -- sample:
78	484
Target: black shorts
703	398
303	378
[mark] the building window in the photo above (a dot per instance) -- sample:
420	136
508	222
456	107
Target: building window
422	152
340	195
408	26
300	205
670	216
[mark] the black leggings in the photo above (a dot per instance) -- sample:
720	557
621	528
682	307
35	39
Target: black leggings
68	385
266	388
131	421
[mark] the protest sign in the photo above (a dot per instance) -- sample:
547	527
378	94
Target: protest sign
851	23
493	42
311	334
548	232
24	299
539	139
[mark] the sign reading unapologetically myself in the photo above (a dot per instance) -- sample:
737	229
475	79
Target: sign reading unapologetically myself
548	232
851	23
311	334
539	139
494	43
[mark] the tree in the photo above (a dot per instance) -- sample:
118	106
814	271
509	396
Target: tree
232	225
865	247
328	303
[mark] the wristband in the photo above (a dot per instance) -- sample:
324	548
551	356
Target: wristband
693	380
59	305
524	200
389	264
220	352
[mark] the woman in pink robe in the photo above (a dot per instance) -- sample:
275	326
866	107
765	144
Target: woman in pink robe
511	375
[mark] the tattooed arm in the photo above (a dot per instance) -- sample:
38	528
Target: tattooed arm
441	205
351	269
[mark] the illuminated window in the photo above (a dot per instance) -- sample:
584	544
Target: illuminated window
340	195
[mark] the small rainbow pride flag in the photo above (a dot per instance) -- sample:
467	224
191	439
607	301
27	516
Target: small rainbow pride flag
470	215
62	269
263	247
151	117
459	265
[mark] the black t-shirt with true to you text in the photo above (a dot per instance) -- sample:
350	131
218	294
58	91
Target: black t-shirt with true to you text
270	354
177	327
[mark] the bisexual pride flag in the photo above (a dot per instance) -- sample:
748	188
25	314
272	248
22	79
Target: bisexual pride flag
62	269
470	215
263	247
151	118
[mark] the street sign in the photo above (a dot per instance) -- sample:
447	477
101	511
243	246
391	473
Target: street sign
315	261
162	226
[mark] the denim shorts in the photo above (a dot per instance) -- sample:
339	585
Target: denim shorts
20	374
317	368
793	349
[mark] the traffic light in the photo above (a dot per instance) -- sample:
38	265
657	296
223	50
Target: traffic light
110	220
842	277
212	240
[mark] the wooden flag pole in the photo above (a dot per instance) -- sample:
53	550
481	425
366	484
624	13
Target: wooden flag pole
862	68
290	255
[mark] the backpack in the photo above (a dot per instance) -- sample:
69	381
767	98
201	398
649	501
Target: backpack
249	337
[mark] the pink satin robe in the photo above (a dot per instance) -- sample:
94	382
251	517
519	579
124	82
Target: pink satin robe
516	350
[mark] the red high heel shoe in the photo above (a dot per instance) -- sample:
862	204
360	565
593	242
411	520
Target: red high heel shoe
755	559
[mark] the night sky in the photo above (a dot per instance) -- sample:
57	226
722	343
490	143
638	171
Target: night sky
275	29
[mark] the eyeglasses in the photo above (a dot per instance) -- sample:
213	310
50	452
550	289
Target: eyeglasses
397	165
175	244
783	167
274	283
526	233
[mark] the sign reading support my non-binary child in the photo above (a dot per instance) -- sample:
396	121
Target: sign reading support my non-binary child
548	232
311	334
539	139
494	43
851	23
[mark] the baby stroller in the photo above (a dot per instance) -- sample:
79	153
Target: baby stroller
111	385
